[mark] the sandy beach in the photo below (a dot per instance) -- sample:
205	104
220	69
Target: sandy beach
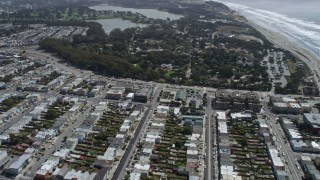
283	42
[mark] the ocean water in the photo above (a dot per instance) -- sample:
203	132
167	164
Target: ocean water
298	20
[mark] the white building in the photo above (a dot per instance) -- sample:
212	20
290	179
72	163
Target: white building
130	96
79	175
16	167
276	160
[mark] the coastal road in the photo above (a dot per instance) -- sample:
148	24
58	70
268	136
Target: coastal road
120	171
303	54
289	155
209	172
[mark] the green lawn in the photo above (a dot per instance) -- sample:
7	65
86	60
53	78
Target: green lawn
169	74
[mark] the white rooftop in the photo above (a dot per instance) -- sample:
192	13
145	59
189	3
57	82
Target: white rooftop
286	99
79	175
276	160
135	176
176	111
222	127
278	104
135	113
295	105
240	115
62	153
130	95
144	167
20	162
192	152
221	115
227	170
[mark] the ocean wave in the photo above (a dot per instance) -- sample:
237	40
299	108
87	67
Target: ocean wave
306	33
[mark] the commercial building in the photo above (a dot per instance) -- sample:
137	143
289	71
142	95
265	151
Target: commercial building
115	93
143	94
235	100
286	108
181	95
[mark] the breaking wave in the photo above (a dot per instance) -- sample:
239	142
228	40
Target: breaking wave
306	34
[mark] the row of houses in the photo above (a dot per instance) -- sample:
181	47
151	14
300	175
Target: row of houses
39	138
79	87
144	166
296	140
285	105
93	117
50	168
115	144
103	162
310	167
33	84
226	166
152	137
277	164
12	69
28	100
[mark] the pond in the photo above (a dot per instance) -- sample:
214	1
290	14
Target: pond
110	24
150	13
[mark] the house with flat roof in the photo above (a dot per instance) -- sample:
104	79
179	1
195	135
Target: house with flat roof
309	168
241	116
192	120
275	158
4	158
79	175
16	167
313	121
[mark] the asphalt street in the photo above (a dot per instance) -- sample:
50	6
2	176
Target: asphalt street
210	169
208	173
120	171
285	147
32	168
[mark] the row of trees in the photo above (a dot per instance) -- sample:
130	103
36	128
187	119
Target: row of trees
103	64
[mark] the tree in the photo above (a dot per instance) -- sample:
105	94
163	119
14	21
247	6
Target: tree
52	114
187	130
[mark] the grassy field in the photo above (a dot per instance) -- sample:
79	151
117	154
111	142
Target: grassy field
169	74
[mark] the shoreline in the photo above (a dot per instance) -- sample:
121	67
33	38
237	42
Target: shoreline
283	42
280	40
